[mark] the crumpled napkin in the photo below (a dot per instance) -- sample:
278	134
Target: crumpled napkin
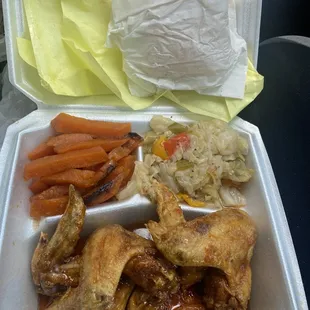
64	41
180	45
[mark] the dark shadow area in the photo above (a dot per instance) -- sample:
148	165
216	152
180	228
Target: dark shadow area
282	113
285	17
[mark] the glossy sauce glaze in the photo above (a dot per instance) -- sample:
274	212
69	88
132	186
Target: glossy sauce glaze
44	302
183	300
188	300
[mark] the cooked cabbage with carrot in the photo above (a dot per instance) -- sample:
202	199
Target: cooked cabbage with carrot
203	163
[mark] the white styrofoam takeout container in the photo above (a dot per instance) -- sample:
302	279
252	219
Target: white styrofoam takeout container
27	80
277	282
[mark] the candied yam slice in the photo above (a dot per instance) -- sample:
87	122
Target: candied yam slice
68	139
37	186
106	144
48	207
55	191
40	151
57	163
76	177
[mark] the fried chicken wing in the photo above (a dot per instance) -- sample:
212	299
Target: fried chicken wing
56	281
219	295
183	300
120	300
154	274
105	256
168	209
123	292
36	265
191	275
53	252
223	240
213	250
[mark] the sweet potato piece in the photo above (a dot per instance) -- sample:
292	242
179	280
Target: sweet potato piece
101	172
107	145
105	192
110	176
66	123
37	186
118	153
76	177
116	172
41	150
82	191
128	163
68	139
48	207
57	163
104	171
53	192
94	167
131	145
107	188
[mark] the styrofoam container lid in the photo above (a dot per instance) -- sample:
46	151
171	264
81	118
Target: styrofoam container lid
27	80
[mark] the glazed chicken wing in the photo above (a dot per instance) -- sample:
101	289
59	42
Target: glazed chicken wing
105	258
120	300
215	250
50	253
183	300
56	281
122	294
224	240
154	274
191	275
219	295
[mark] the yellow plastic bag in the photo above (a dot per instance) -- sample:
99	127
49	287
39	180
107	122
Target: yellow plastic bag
66	47
58	66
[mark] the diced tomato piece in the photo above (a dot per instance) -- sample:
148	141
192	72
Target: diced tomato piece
180	140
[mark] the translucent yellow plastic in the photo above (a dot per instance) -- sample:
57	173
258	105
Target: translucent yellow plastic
65	43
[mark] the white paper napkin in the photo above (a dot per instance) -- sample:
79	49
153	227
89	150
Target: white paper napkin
179	45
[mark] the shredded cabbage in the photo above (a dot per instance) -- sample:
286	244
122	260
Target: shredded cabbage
130	190
150	137
231	197
216	155
160	124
